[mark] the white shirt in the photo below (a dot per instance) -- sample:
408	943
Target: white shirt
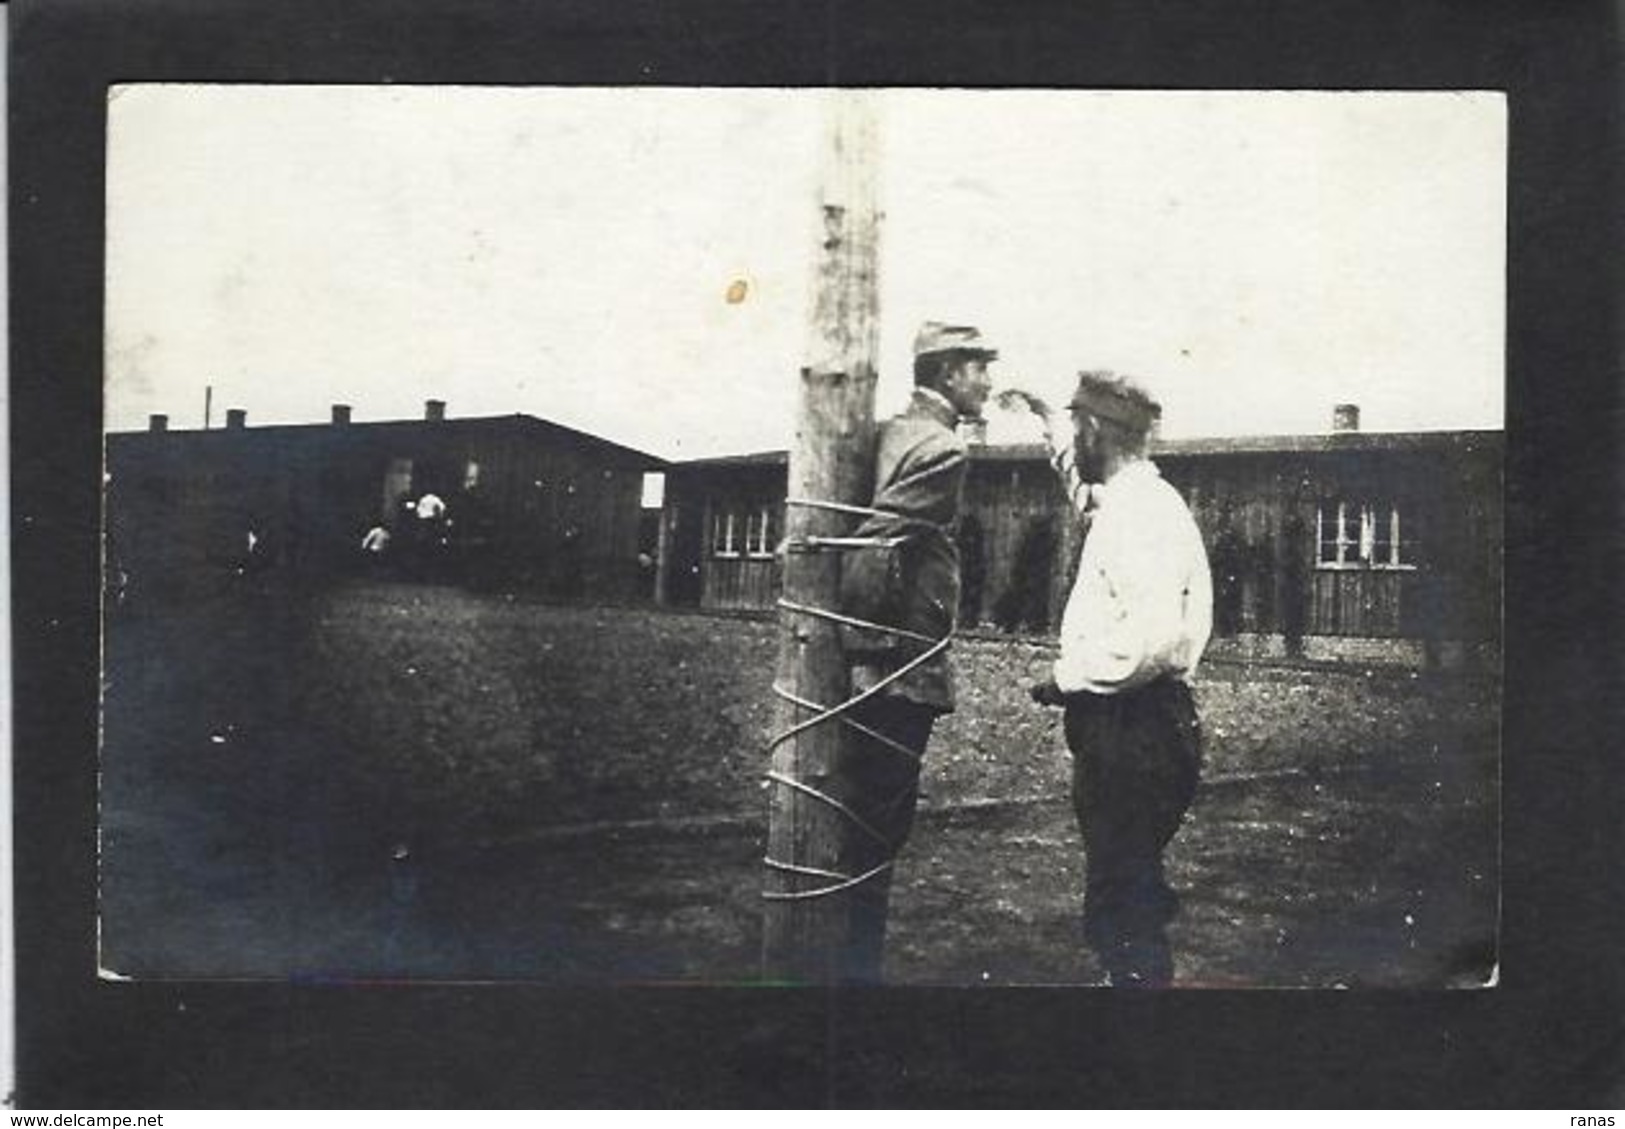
1142	604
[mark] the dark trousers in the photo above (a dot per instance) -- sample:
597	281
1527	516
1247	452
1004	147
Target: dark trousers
1136	757
881	785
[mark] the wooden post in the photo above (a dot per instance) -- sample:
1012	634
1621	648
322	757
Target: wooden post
668	518
831	459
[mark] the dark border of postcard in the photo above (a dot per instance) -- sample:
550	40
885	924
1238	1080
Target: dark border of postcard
1548	1035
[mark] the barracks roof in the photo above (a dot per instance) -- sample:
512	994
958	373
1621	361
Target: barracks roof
1176	448
516	423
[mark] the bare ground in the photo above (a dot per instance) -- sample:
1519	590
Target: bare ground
395	781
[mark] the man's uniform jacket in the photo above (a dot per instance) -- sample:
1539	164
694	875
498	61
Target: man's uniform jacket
919	482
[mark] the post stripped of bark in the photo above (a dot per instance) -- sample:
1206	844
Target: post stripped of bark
831	460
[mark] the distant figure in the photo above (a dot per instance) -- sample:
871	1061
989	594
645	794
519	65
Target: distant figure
1135	626
432	538
431	507
375	548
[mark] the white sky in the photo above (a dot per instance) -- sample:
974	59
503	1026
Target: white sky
1254	258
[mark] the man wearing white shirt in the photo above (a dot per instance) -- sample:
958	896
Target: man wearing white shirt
1134	629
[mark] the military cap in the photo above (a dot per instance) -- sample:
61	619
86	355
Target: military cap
1116	398
935	337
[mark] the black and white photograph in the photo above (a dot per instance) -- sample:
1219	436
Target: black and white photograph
945	537
812	556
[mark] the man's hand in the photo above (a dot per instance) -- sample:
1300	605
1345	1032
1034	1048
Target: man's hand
1046	693
1013	399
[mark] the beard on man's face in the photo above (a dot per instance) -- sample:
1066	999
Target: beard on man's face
1089	458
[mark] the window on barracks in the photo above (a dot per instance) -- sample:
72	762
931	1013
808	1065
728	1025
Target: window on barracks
749	530
759	532
726	538
1352	534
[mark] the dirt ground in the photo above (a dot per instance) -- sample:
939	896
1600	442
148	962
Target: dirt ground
393	781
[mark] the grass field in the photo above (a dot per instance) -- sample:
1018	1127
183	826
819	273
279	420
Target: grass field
387	780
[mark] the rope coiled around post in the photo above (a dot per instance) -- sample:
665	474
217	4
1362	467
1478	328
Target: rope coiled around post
824	714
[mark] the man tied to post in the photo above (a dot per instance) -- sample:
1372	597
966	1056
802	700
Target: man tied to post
1135	626
906	578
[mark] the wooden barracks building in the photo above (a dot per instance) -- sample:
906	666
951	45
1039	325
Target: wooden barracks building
526	501
1340	545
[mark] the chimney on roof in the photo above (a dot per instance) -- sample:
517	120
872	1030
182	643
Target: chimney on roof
341	414
158	421
973	432
434	410
236	419
1346	417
